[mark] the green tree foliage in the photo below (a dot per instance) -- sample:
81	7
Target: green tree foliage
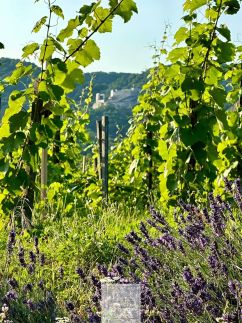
41	115
187	128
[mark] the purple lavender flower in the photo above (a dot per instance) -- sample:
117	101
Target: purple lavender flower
133	263
237	194
13	283
214	262
69	306
157	216
96	299
76	318
123	249
96	282
228	185
36	242
21	257
176	292
168	241
92	317
135	236
30	305
28	287
11	240
124	261
230	318
234	287
203	241
31	269
102	270
144	230
131	239
194	304
205	295
142	252
188	276
32	256
119	270
206	215
42	259
217	217
198	284
61	272
11	295
80	273
154	225
41	284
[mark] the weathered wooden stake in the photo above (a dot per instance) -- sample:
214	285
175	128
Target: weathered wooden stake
149	152
99	139
44	173
105	157
84	164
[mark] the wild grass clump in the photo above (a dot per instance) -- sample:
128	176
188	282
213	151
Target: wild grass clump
46	270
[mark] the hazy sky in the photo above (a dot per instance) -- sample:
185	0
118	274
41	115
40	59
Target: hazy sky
127	49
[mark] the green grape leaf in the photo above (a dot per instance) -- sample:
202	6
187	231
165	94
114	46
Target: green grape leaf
58	11
177	54
225	32
43	91
191	83
57	45
15	104
172	182
4	166
18	121
187	136
225	52
88	53
46	50
192	5
30	49
233	7
213	76
19	72
73	44
57	91
219	96
68	31
73	78
86	10
13	142
181	34
100	14
199	150
125	9
39	24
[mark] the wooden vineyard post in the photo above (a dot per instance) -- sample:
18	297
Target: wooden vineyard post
44	173
99	139
149	152
105	157
84	164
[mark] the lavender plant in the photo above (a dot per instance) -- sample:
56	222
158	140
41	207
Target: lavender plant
191	272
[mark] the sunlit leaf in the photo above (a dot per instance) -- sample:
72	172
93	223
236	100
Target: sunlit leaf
57	10
39	24
30	49
125	9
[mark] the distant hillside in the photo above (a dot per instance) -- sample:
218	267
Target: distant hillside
102	83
